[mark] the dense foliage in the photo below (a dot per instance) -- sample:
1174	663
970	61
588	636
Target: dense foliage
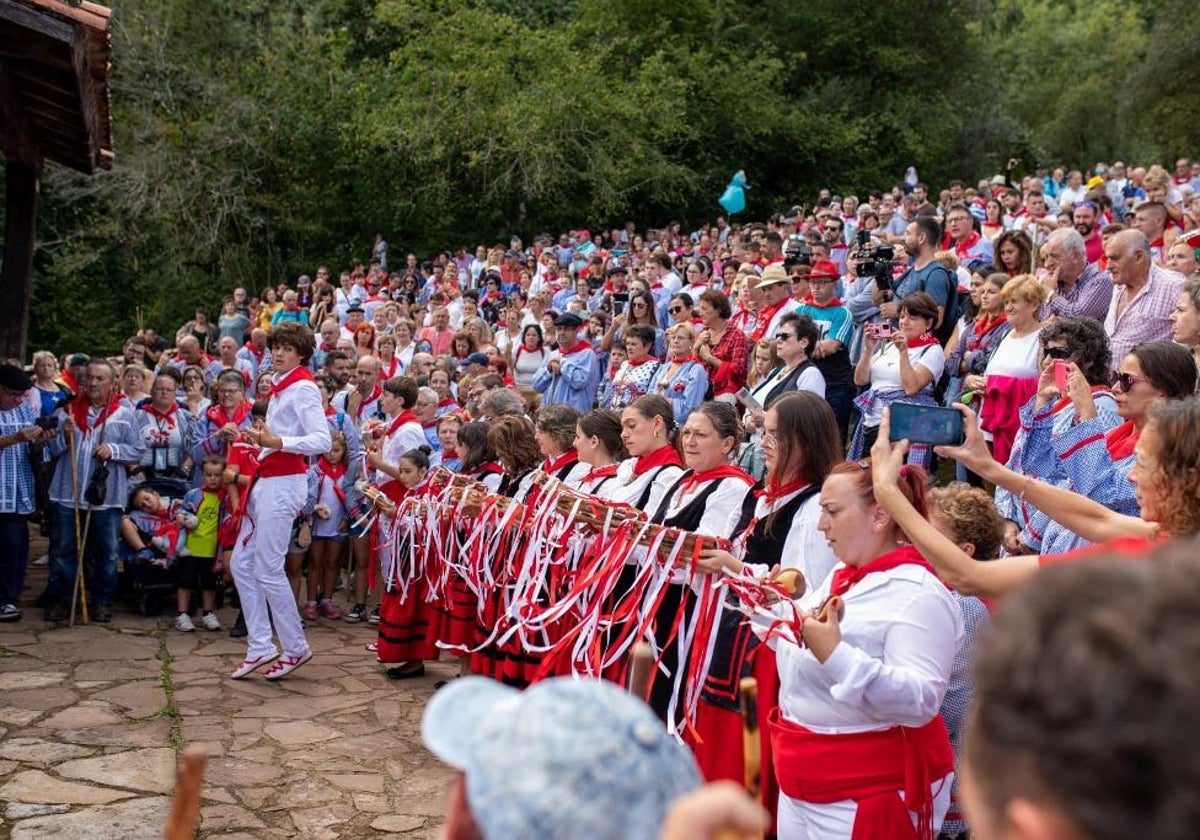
255	138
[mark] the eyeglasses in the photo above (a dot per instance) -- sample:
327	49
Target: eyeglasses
675	310
1060	353
784	336
1126	381
957	219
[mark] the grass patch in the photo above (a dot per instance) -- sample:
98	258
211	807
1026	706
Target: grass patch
166	681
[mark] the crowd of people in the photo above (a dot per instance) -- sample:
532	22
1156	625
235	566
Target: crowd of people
735	382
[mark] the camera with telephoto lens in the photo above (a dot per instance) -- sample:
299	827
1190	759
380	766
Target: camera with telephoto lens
874	260
796	251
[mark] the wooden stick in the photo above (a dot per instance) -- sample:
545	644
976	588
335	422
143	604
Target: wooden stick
185	805
77	584
641	661
751	745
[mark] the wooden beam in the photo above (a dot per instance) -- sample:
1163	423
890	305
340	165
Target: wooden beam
88	14
89	94
22	184
51	26
17	138
19	45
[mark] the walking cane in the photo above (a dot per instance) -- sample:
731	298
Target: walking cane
78	585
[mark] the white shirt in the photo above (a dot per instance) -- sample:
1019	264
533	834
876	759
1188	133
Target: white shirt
297	415
810	380
409	436
805	548
885	371
627	488
900	633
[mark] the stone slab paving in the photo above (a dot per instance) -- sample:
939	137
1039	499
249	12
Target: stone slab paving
91	719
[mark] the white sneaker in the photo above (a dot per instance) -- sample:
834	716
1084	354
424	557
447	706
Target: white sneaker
210	621
183	623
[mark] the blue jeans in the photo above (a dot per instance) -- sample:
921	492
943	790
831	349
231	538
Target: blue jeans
100	562
841	400
14	556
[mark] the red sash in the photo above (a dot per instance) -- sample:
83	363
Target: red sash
868	767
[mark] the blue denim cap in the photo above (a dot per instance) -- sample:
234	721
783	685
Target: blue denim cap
566	758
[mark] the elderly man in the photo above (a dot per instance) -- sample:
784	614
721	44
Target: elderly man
362	402
189	354
969	247
229	360
106	439
421	365
774	294
1076	287
1144	295
570	374
255	352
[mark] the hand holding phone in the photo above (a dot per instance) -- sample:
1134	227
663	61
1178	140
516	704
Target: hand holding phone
1062	371
932	425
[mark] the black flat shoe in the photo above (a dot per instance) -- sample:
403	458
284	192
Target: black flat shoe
238	630
406	672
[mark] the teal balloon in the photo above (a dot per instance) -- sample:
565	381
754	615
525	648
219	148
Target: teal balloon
733	200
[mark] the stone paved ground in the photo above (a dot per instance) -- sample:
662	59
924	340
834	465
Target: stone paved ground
91	719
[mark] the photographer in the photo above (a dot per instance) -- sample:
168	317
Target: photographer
927	275
20	426
104	437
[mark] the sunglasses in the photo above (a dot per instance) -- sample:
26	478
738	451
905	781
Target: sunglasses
1059	353
675	310
783	336
1126	381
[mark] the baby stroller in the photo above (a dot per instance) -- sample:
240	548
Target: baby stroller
146	577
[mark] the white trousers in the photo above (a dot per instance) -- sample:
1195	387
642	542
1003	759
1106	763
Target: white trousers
800	820
258	566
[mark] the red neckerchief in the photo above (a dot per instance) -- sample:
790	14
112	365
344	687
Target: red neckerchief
217	416
1157	243
984	324
553	465
664	456
765	317
962	248
1063	402
162	417
297	374
449	454
1121	440
582	344
375	394
79	410
715	474
405	416
606	471
646	361
330	411
830	305
847	576
390	370
448	401
205	361
677	360
334	473
923	340
490	468
773	491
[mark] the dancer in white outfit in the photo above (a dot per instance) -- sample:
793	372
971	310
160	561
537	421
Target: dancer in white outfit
296	429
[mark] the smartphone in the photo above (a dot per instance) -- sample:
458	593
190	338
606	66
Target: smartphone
932	425
618	306
1061	371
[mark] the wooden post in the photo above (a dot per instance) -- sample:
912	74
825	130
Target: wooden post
22	185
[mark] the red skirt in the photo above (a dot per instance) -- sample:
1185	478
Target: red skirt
719	754
405	626
454	618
